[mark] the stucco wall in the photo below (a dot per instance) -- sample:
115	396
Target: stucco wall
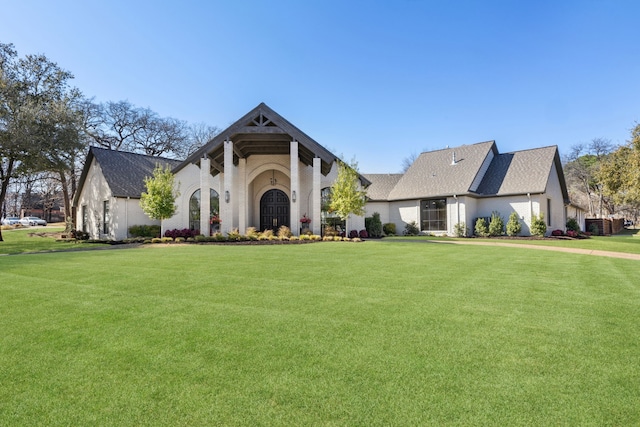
381	207
94	193
404	212
554	192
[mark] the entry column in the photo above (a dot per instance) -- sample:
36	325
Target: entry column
205	200
295	189
227	190
316	195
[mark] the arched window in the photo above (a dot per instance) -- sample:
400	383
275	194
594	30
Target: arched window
329	219
194	208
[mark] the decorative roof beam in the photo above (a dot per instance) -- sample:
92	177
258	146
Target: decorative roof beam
215	165
237	152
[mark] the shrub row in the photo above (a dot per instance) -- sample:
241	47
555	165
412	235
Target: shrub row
144	231
495	226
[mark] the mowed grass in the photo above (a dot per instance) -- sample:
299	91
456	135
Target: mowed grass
31	239
339	334
627	241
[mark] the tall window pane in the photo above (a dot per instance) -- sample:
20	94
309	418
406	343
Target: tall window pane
105	217
194	210
433	215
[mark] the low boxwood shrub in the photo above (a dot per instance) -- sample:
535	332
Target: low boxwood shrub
411	229
573	225
144	230
389	228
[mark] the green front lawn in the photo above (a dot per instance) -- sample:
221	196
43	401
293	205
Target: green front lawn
31	239
374	333
627	241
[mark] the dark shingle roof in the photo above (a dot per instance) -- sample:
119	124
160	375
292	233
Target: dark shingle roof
519	172
125	172
381	184
435	174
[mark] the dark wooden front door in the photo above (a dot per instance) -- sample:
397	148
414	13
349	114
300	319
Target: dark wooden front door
274	210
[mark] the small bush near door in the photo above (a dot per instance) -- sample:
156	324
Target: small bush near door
411	229
389	229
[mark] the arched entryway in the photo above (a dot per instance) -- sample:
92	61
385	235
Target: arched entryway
274	210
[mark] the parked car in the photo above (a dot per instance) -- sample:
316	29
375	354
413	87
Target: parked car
32	220
628	223
11	220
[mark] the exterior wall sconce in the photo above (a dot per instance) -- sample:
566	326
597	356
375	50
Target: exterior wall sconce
227	196
293	195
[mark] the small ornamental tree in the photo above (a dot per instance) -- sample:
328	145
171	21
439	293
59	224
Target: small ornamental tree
158	202
538	226
496	224
513	225
460	229
375	225
481	228
346	196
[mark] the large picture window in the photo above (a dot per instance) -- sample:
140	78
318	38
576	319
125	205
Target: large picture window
433	215
194	208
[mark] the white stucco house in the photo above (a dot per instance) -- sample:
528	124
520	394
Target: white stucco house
264	172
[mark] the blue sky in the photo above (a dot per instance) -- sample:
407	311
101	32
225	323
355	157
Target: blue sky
370	80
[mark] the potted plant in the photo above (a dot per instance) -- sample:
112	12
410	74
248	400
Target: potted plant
305	221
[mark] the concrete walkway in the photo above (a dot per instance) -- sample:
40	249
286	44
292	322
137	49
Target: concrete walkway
593	252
